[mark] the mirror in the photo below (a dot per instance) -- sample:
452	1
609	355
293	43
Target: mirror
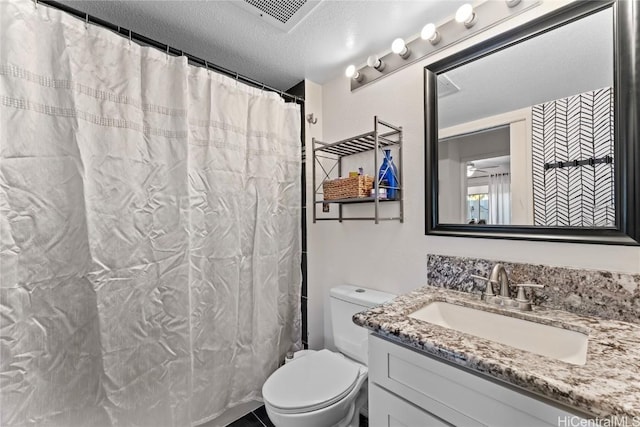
531	135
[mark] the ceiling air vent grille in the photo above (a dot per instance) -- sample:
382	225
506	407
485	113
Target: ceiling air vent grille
446	86
283	15
280	10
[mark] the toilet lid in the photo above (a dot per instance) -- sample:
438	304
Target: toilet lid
310	383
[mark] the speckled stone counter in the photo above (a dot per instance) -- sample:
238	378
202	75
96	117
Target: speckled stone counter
607	385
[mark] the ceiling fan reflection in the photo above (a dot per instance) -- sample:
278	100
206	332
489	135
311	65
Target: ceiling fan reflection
472	169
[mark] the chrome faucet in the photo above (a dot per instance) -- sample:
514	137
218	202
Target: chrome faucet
500	277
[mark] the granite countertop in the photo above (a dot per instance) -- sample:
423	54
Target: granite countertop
607	385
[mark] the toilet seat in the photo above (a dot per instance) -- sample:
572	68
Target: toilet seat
312	382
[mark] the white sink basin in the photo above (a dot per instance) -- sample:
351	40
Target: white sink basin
556	343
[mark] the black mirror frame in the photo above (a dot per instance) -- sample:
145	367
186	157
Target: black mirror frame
626	129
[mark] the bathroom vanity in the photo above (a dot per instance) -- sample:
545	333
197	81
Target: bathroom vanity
422	373
414	389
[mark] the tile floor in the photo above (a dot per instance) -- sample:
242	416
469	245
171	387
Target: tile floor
259	418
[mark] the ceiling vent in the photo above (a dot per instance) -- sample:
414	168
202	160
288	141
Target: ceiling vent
283	15
446	86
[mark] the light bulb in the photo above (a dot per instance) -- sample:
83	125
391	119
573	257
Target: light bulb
350	71
430	33
465	15
464	12
353	74
399	47
374	62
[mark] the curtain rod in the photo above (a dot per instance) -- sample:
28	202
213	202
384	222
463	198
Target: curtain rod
165	47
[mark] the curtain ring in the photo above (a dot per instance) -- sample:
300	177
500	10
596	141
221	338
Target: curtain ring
86	21
129	36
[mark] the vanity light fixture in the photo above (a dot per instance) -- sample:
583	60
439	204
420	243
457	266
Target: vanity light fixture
430	33
374	62
441	35
400	48
465	15
352	73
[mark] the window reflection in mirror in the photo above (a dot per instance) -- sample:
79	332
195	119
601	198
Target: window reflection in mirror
526	133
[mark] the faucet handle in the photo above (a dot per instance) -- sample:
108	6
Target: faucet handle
521	297
488	291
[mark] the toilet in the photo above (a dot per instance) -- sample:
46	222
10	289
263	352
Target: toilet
325	388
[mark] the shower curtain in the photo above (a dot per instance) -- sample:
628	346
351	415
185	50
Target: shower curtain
150	230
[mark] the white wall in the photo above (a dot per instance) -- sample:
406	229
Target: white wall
392	256
519	148
453	155
450	200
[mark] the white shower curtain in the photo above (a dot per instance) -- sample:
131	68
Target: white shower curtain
150	230
500	199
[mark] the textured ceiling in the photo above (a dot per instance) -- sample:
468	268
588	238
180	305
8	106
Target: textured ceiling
335	34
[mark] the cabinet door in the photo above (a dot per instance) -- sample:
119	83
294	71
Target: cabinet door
454	394
388	410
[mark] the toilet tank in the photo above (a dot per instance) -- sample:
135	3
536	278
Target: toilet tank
349	338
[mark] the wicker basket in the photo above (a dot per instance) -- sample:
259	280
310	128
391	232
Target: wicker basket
348	188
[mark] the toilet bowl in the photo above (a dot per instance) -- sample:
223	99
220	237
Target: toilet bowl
321	389
325	388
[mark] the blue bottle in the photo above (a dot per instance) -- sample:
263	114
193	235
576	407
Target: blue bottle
388	175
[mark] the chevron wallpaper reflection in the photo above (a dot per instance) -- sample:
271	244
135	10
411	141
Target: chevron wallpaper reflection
578	128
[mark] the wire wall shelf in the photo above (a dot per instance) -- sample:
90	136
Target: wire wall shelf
328	166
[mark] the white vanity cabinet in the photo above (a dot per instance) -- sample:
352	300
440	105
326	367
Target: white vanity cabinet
409	388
